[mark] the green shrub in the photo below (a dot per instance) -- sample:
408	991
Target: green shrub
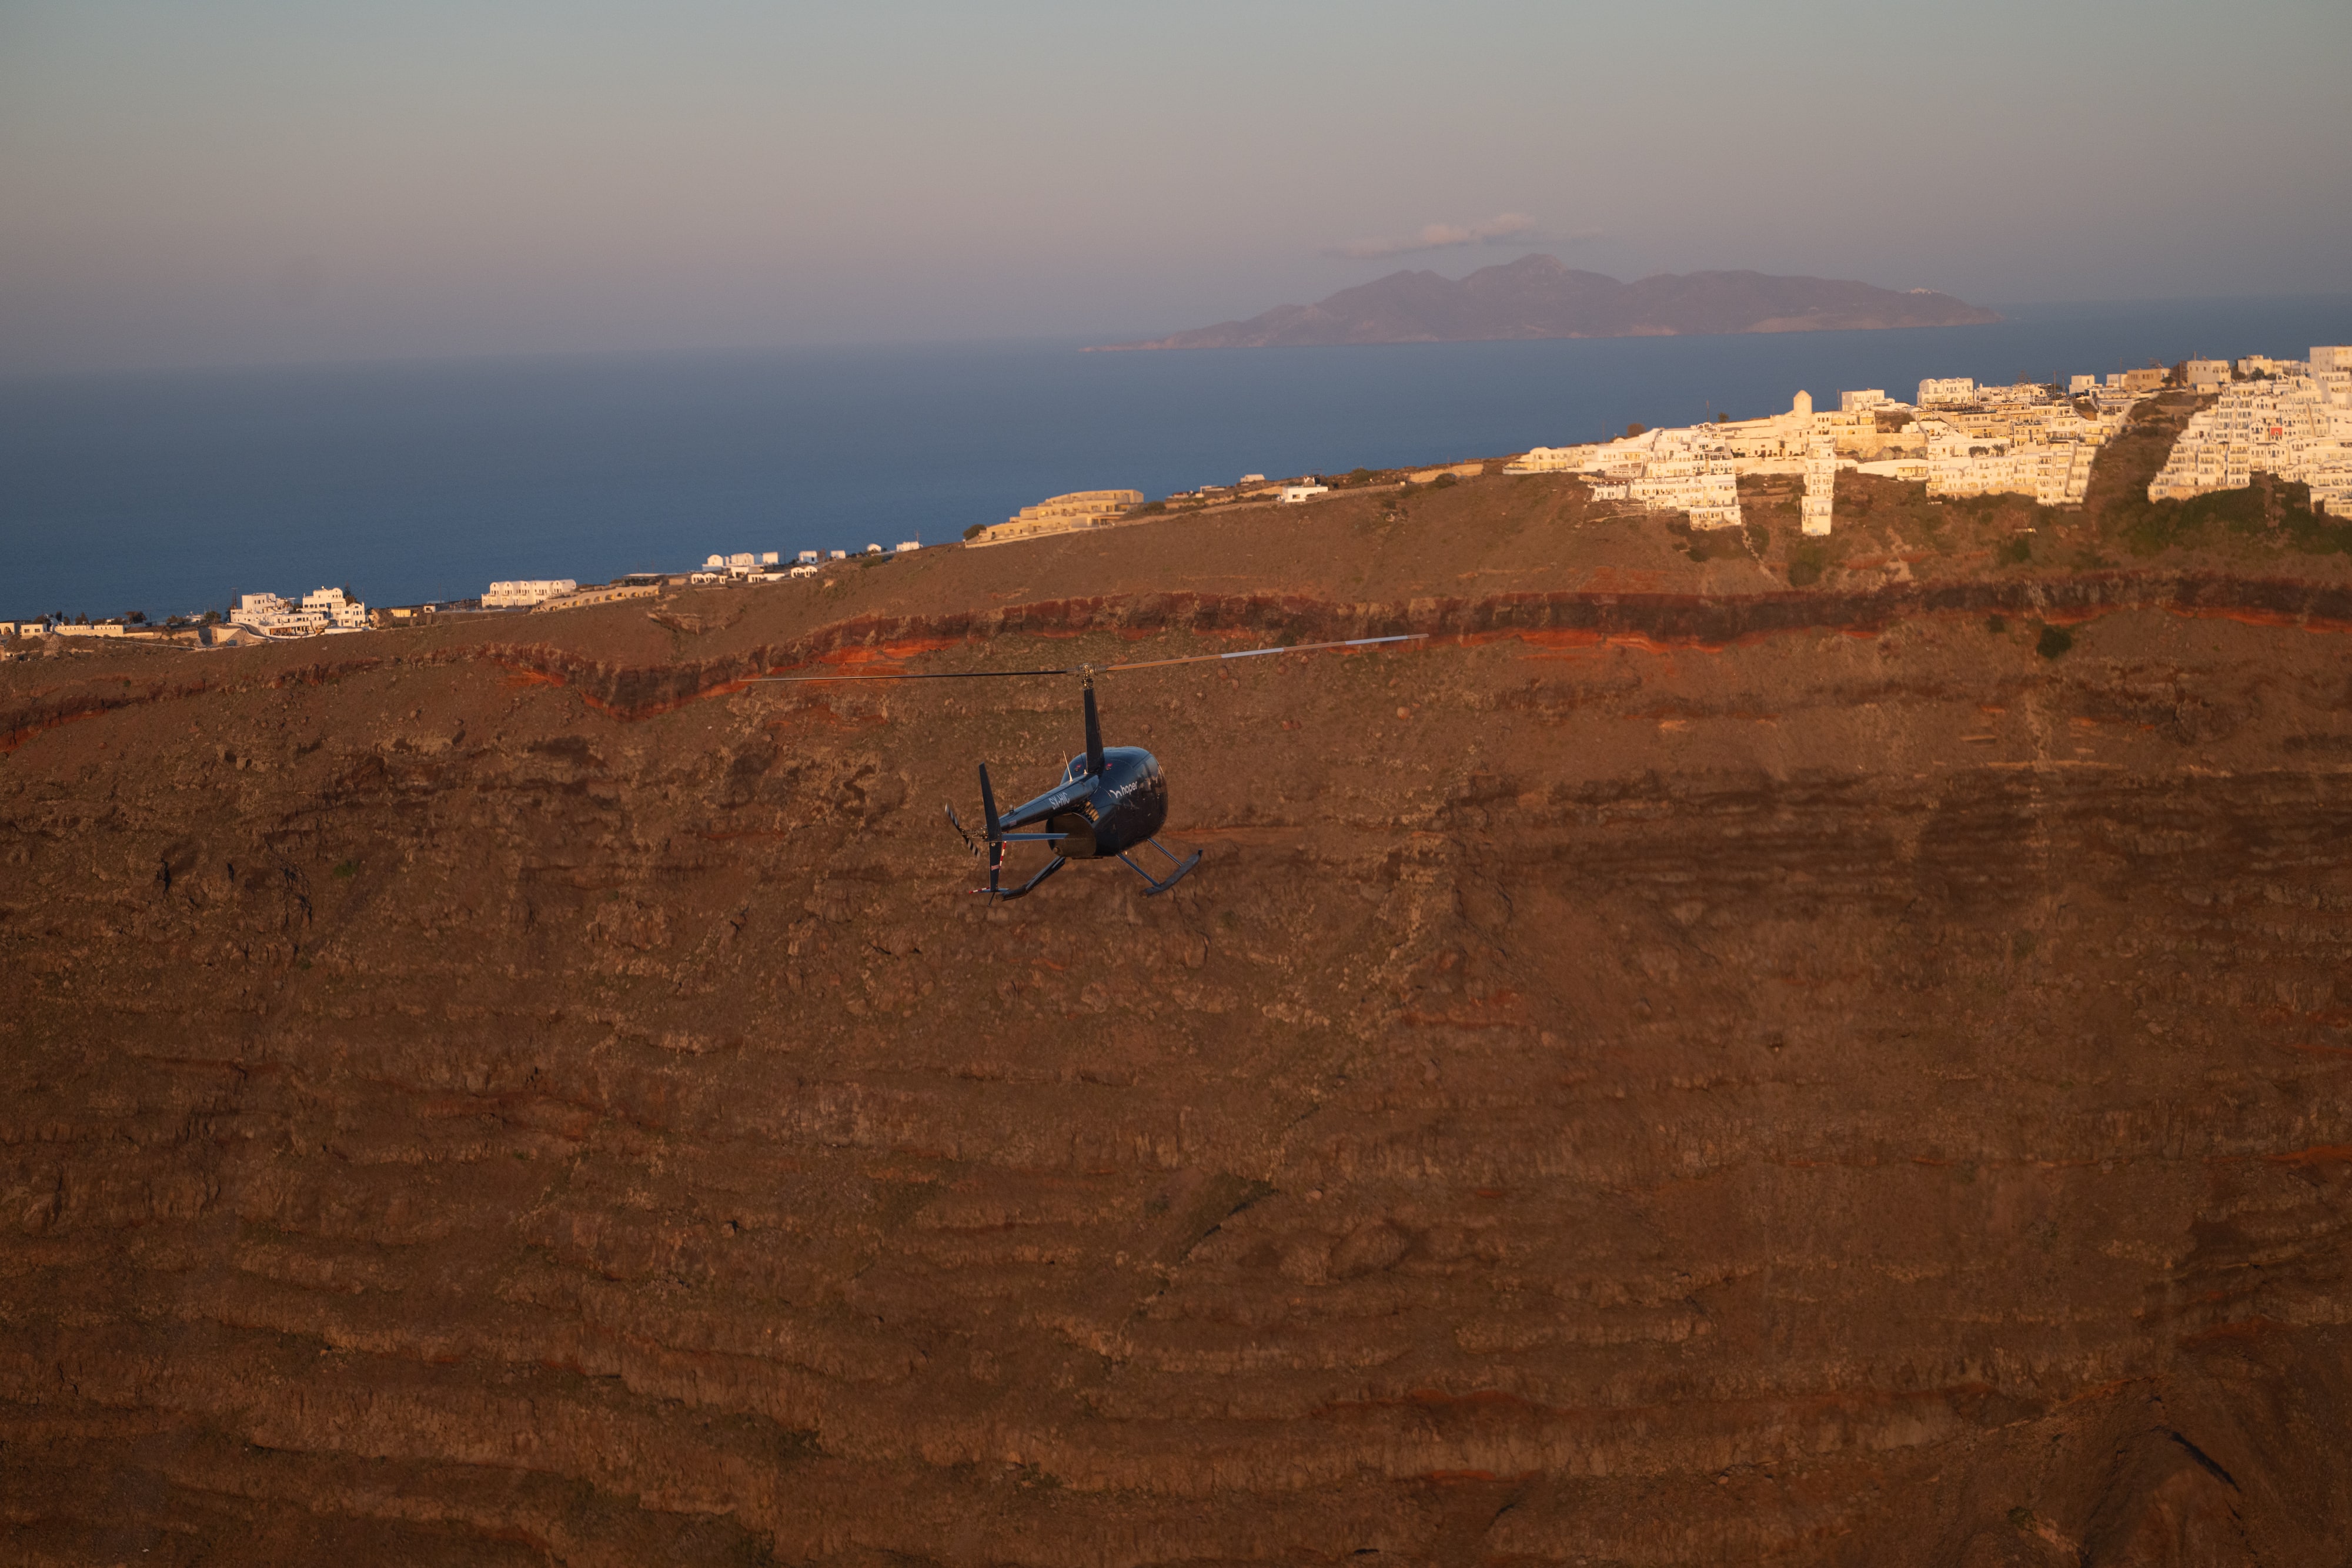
2315	533
1446	481
2054	642
2017	551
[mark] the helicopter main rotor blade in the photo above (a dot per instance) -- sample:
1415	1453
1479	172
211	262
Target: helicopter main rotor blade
920	675
1104	669
1261	652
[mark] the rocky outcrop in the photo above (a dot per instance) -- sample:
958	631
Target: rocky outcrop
1711	1080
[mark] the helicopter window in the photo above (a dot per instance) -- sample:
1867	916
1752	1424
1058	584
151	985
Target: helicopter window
1078	767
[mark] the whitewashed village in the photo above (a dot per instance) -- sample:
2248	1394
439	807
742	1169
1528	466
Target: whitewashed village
2290	419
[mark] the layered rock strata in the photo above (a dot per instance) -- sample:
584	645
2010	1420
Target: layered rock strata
1842	1087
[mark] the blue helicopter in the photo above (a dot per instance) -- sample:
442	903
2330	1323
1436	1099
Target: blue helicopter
1111	801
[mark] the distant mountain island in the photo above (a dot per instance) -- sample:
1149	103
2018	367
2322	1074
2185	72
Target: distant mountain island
1537	297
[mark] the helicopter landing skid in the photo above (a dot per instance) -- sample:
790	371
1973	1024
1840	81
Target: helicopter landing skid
1057	864
1154	888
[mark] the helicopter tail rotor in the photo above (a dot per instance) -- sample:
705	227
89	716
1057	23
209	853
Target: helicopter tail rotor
957	823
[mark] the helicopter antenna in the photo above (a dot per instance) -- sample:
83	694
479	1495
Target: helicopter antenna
1090	671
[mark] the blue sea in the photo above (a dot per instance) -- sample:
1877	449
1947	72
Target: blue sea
173	492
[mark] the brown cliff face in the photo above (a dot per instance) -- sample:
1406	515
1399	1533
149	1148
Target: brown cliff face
1675	1071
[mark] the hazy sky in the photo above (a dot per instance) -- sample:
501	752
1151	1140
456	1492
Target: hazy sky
287	180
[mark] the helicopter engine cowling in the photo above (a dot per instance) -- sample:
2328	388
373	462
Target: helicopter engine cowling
1080	843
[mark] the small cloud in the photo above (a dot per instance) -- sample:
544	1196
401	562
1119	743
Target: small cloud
1444	237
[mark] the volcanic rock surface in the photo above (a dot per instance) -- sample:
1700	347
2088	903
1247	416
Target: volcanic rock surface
1670	1070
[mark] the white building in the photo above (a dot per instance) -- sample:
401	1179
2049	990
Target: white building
1697	468
1552	459
1293	494
274	617
741	563
2297	427
321	609
1965	463
807	557
341	613
1977	440
1821	485
2206	375
907	547
525	593
837	555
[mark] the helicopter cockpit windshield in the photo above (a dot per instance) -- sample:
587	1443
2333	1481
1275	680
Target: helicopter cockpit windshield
1077	770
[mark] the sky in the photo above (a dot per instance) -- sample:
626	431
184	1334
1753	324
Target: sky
258	182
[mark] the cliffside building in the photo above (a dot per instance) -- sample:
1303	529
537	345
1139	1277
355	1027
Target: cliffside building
1821	485
1965	439
1061	515
524	593
609	594
321	609
1696	468
343	613
2296	426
